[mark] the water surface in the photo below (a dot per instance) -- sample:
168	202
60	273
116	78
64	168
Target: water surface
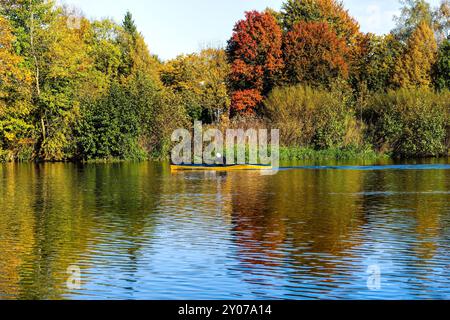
312	231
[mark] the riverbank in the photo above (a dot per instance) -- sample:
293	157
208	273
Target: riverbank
287	154
349	153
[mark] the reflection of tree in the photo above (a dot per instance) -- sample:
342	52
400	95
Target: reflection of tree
16	228
122	198
406	217
414	201
56	215
326	203
296	225
259	230
61	230
206	193
39	208
429	208
312	214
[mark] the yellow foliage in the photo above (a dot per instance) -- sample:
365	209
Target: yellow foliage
203	75
414	67
15	94
14	80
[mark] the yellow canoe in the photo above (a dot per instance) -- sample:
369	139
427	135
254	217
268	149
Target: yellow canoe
238	167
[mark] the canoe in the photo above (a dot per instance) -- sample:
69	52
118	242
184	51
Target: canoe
237	167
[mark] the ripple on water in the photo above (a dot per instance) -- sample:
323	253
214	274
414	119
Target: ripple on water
138	232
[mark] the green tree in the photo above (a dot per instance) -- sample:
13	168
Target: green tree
215	99
53	42
105	50
67	77
133	121
30	20
109	128
60	73
120	124
377	65
135	55
442	67
129	25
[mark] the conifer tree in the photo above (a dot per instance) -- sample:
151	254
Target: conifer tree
414	67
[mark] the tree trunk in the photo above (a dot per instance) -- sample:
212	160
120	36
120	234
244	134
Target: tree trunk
36	66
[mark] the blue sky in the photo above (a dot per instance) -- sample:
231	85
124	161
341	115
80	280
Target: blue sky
173	27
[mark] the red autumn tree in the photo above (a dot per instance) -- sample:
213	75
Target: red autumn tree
254	52
331	12
314	54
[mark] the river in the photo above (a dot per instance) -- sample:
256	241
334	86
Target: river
312	231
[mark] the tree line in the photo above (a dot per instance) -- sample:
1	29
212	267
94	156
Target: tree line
79	89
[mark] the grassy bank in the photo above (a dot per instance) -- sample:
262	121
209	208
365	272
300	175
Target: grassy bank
348	153
287	153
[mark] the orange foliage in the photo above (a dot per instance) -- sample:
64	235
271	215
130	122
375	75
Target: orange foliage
256	57
315	54
245	101
331	12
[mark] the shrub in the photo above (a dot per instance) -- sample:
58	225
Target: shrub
168	114
109	128
308	117
409	122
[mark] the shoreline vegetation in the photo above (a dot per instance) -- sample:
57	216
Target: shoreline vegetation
287	154
73	89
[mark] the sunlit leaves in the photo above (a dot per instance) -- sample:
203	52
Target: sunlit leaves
314	54
200	79
15	95
414	67
254	52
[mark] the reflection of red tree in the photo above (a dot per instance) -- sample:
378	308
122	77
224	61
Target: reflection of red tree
329	209
311	212
259	231
259	242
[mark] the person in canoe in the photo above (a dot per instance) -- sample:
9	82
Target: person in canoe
222	160
221	164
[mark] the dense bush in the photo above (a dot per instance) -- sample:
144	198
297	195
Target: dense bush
409	122
308	117
133	121
109	128
168	115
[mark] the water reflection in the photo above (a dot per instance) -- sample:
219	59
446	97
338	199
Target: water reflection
138	231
